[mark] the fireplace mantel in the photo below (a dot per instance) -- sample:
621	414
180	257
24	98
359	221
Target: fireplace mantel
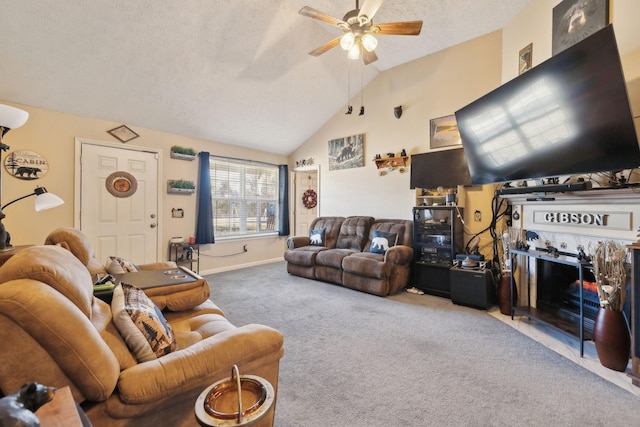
598	213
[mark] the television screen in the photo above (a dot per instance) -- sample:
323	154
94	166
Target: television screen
446	169
569	115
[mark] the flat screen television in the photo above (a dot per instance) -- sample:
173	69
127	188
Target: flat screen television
570	115
446	169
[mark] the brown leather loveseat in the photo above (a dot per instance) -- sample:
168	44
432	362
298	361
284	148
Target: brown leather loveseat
345	255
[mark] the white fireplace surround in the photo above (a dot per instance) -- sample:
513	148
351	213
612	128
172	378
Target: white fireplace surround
568	221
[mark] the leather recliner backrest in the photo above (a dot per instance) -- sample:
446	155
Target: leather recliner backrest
354	232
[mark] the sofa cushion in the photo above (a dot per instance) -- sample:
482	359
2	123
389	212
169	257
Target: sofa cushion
317	237
381	241
117	265
141	323
354	232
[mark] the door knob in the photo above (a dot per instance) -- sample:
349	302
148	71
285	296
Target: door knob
153	225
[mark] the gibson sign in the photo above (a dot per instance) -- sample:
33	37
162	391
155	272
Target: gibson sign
600	220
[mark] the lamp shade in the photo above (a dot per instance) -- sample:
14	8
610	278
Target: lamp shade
46	201
369	42
347	41
12	117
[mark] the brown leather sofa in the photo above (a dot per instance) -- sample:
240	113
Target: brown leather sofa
346	258
175	298
55	332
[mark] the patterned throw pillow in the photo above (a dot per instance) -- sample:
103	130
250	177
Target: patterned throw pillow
381	241
117	265
141	323
317	236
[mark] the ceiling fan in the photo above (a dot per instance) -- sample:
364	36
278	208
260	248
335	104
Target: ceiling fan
358	27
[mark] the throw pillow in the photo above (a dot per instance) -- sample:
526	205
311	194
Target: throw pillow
381	241
117	265
141	323
317	236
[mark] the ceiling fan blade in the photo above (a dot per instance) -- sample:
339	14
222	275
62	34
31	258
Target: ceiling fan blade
408	28
369	57
325	47
320	16
369	8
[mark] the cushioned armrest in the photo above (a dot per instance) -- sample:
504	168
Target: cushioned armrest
180	371
399	254
69	338
298	241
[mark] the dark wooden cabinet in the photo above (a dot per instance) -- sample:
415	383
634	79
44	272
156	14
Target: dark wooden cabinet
437	238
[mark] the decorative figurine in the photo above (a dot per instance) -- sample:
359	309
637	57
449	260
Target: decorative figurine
17	409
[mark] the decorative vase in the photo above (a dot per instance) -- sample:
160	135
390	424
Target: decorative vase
505	299
611	337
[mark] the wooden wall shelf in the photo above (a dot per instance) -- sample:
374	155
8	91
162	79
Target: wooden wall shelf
391	161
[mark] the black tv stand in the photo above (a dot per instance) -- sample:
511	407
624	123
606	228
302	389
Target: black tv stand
548	188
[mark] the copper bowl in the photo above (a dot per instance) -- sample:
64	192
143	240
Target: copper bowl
222	401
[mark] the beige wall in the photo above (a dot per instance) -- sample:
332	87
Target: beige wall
430	87
53	135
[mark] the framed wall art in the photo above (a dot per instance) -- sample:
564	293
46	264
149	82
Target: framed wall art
444	132
575	20
123	133
347	152
525	59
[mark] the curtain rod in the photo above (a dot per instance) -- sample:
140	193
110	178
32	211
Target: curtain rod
242	160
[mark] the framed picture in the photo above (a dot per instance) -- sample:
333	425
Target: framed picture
525	59
123	133
574	20
347	152
444	132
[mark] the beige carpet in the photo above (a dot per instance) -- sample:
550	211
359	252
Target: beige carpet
354	359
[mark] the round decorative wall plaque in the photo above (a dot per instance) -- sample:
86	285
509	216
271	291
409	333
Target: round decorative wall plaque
121	184
26	165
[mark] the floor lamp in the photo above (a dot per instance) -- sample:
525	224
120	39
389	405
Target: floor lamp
10	118
44	200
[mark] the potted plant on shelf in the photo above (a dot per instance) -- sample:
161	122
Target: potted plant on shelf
180	186
182	153
610	331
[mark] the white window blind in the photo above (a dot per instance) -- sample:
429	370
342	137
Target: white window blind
244	196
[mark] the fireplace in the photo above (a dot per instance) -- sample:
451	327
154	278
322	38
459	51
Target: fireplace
558	293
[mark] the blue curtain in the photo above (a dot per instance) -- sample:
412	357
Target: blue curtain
204	219
283	203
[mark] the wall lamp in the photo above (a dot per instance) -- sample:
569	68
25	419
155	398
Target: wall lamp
44	200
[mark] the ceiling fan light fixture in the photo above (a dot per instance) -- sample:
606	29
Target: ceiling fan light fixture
347	41
354	52
369	42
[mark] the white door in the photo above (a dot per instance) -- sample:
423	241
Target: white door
119	202
305	180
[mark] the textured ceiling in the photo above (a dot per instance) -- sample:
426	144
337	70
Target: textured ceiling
232	71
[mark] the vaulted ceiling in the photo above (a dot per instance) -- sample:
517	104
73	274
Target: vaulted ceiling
229	71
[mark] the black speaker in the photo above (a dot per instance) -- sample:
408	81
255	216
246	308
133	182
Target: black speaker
472	287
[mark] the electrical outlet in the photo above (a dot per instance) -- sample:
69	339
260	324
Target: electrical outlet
244	248
477	216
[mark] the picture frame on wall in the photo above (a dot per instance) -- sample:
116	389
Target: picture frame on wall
444	132
346	152
525	59
123	133
575	20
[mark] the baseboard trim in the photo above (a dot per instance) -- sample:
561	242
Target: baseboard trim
241	266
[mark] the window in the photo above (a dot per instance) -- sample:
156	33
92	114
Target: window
244	196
